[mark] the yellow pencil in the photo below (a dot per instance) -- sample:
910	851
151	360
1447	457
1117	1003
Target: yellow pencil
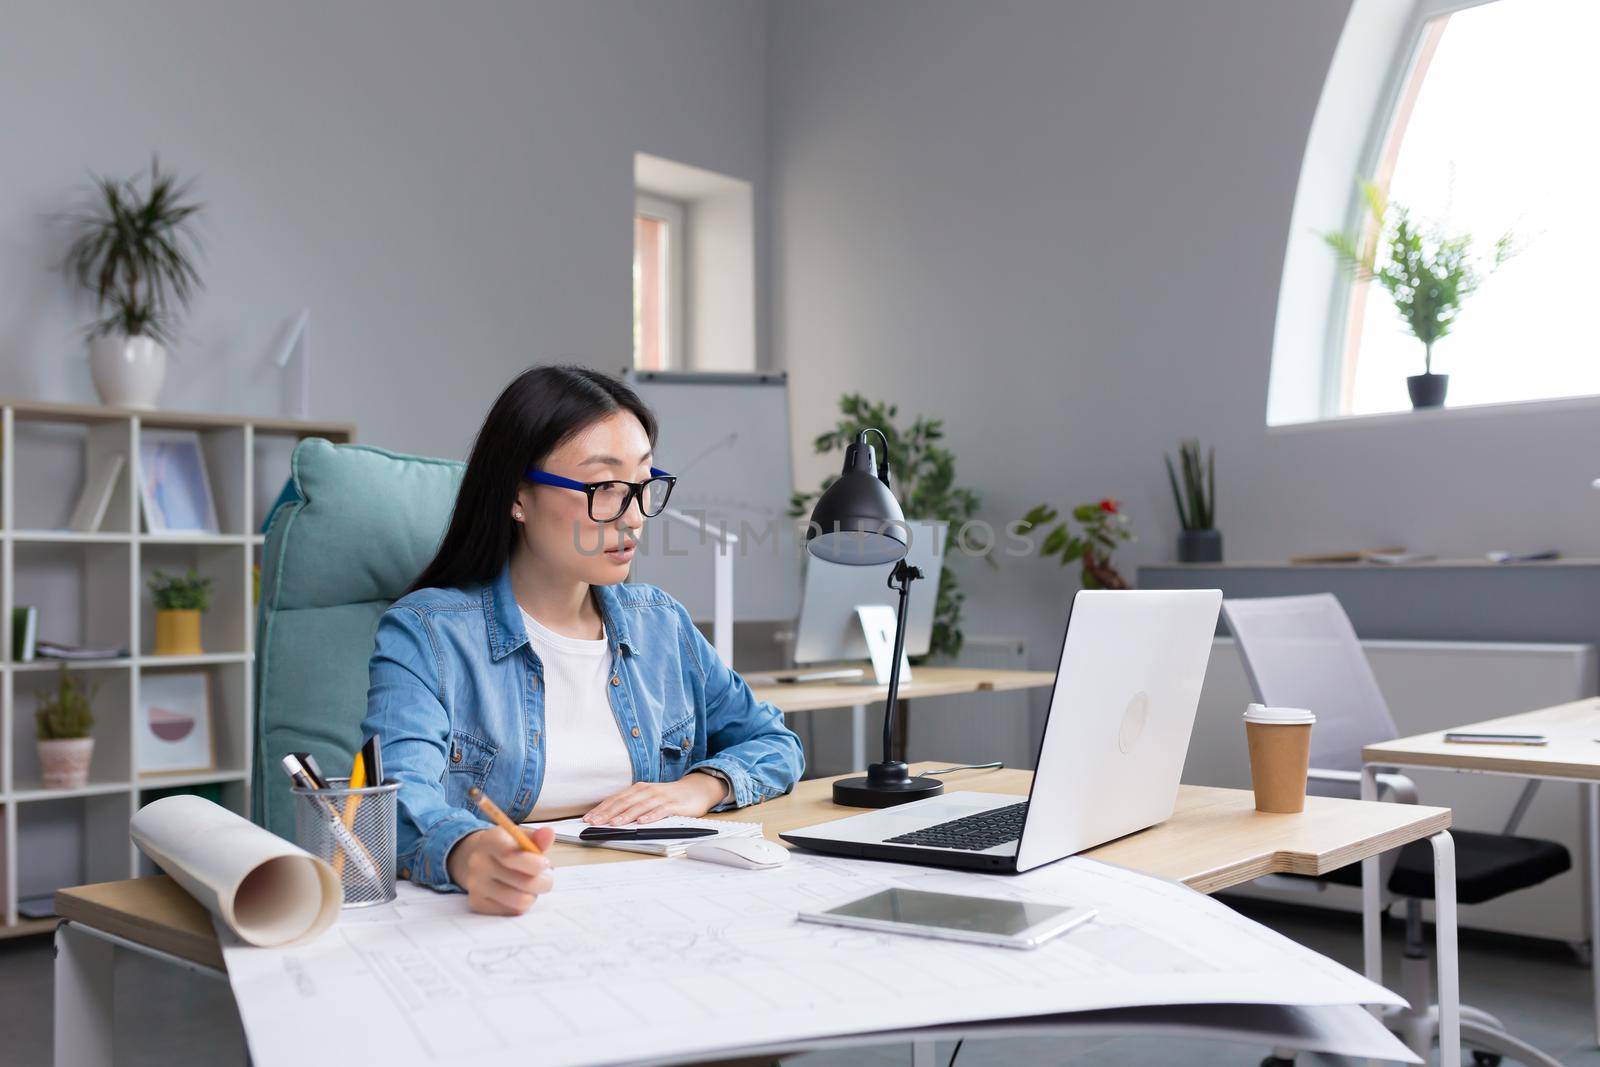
358	780
499	818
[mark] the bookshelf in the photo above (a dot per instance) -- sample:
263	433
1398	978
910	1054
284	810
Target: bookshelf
91	589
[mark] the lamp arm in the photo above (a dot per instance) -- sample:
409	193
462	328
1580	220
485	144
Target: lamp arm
904	574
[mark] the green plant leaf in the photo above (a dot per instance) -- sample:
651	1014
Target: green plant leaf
67	713
1054	541
135	252
1037	515
1177	497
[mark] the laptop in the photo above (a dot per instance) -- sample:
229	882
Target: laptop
1123	707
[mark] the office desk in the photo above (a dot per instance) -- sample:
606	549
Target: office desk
924	682
1214	840
1571	756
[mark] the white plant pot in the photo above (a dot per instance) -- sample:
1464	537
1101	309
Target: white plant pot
66	763
127	371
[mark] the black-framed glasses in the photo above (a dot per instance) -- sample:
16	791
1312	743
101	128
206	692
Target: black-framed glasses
610	500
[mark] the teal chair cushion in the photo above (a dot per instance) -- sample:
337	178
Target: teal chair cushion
361	525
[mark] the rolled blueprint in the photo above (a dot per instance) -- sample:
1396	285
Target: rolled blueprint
265	889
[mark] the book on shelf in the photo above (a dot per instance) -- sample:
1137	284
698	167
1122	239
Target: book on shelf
90	511
24	632
59	650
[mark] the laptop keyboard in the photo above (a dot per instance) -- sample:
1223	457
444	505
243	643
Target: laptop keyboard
972	833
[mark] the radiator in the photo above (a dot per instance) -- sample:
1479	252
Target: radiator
1434	685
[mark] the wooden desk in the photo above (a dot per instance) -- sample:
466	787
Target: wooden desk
1214	840
924	682
1571	756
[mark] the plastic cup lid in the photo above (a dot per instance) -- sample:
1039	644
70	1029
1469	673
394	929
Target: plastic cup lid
1260	713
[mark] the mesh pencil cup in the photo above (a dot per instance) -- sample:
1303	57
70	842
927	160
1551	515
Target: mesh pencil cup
353	829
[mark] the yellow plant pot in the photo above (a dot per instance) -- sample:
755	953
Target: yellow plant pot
178	633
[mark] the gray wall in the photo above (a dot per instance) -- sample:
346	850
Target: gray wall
1058	224
1061	225
449	187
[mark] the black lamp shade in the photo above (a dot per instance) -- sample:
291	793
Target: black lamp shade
857	521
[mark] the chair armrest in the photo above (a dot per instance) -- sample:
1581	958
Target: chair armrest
1401	789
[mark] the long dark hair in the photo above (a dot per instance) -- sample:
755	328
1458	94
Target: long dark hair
541	408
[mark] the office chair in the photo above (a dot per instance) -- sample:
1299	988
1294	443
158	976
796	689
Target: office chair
356	526
1302	652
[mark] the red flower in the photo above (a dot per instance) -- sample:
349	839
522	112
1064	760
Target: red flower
1110	504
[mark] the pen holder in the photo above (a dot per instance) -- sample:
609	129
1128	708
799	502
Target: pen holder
354	830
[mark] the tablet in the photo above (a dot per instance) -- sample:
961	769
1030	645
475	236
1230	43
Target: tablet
985	920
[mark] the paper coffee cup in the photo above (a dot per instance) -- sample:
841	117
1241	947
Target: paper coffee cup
1280	753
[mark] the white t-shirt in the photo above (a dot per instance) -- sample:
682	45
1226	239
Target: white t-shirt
585	758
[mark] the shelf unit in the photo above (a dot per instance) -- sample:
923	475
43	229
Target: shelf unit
91	589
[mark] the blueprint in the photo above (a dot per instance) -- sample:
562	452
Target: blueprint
669	957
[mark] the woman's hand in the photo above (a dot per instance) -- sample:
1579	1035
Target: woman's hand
500	878
694	794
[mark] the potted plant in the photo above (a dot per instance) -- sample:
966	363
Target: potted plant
135	251
63	720
180	599
1426	272
1104	528
924	473
1199	541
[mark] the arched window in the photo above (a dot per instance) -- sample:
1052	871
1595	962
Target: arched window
1488	123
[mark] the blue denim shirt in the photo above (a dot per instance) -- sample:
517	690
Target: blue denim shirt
457	695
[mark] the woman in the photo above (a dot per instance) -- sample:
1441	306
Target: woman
519	663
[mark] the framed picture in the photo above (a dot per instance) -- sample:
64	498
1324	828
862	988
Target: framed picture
173	728
173	485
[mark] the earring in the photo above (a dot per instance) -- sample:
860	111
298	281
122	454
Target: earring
517	514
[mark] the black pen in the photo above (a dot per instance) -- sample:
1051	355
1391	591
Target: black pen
662	833
308	764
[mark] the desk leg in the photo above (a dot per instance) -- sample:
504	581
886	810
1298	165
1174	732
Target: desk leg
85	999
1444	937
1371	894
858	737
1591	859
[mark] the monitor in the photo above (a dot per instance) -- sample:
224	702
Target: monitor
829	630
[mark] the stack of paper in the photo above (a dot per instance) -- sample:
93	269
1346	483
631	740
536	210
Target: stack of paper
655	960
60	650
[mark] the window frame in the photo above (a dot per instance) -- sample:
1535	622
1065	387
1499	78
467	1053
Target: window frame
1383	138
675	214
1368	74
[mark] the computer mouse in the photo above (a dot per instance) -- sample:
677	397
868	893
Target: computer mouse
749	853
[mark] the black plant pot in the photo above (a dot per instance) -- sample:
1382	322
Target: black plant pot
1427	390
1200	546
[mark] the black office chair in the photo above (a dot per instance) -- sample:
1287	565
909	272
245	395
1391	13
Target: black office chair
1302	652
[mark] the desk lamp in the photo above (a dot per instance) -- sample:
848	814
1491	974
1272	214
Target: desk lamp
858	522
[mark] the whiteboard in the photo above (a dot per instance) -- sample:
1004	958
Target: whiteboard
726	438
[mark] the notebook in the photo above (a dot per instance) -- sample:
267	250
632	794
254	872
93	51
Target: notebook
568	830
